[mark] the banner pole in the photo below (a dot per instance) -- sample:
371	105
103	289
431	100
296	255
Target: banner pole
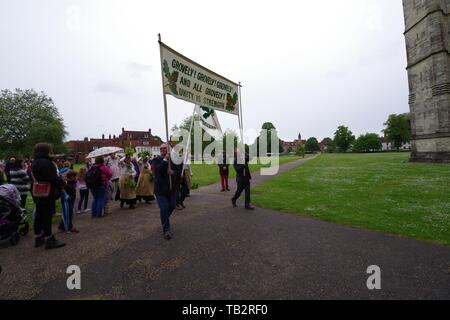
188	146
169	147
241	123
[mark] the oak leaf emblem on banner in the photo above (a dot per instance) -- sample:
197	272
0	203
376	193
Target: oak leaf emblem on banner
231	102
207	112
171	77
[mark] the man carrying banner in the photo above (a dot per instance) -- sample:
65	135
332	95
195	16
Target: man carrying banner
243	178
165	190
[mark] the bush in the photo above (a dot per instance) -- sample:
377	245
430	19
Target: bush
195	185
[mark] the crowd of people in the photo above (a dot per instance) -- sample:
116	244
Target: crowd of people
126	179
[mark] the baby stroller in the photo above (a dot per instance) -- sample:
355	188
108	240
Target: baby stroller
13	218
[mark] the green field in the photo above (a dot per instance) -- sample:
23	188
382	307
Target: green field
378	191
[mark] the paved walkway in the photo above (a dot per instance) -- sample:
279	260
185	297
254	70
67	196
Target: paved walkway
219	252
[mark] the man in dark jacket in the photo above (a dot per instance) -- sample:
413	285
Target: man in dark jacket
243	178
165	188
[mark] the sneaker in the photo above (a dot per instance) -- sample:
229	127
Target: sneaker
79	212
233	202
86	210
52	243
74	230
168	235
223	190
249	207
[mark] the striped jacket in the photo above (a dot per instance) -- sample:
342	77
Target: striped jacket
21	180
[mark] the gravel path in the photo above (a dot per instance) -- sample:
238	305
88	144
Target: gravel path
219	252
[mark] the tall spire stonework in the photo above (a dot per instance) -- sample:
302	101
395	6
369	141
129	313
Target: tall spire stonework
427	36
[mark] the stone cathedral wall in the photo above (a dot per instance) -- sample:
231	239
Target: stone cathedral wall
427	38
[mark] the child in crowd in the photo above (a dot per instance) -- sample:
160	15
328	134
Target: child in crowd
84	191
71	190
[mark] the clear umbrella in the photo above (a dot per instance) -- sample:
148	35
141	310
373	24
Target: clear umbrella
104	152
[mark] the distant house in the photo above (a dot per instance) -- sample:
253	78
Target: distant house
140	140
387	146
293	145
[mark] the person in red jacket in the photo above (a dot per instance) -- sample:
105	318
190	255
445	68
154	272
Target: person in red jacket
99	192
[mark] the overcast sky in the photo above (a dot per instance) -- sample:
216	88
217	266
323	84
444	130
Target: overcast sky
306	66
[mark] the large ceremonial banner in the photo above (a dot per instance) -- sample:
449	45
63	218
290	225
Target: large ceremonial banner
189	81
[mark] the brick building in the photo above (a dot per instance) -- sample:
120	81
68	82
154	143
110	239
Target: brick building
293	145
139	140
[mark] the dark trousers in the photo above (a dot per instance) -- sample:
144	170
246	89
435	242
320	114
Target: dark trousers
182	192
84	197
45	209
242	185
99	201
23	200
224	182
166	206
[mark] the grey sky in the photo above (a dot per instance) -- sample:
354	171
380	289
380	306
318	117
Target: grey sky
306	66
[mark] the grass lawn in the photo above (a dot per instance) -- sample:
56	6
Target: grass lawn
378	191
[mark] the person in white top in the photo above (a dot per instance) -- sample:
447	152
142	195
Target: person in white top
127	184
113	163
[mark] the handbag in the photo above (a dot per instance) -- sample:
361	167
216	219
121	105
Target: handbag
40	189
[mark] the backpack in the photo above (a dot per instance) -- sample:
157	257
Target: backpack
94	178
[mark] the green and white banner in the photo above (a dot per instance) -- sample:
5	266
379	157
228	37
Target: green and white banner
209	121
189	81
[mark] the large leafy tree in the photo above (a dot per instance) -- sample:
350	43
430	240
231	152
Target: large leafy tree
368	142
26	118
271	132
398	129
328	145
312	145
343	138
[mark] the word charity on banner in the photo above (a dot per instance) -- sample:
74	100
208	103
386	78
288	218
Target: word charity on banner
189	81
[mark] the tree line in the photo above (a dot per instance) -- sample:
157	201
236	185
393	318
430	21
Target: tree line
397	132
28	117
